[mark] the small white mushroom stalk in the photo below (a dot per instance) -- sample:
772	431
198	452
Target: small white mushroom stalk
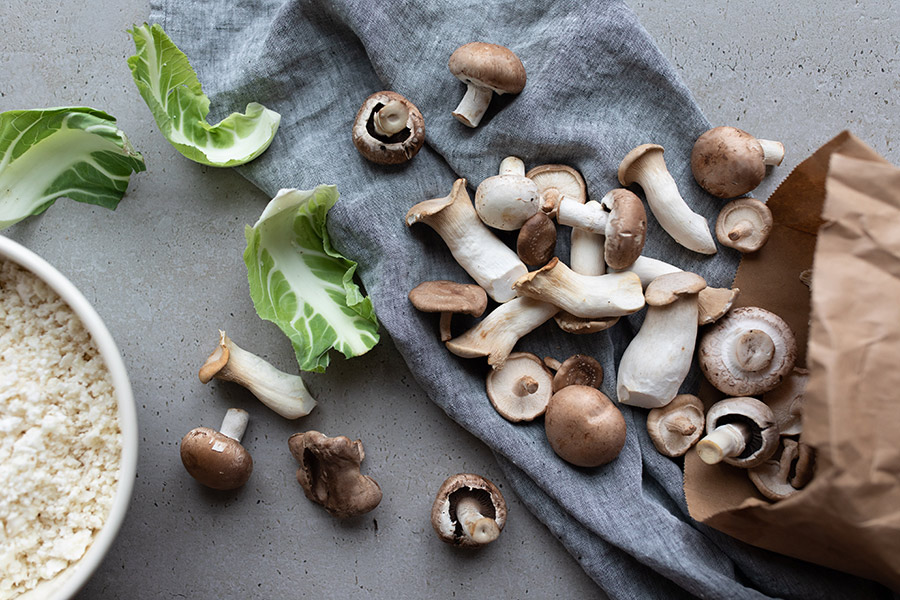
473	105
490	262
234	424
391	118
773	152
475	525
284	393
723	442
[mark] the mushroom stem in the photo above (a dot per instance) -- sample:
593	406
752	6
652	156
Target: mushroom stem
234	424
391	118
773	152
681	425
444	326
512	165
724	441
552	363
740	230
525	385
586	253
284	393
481	529
589	216
754	350
473	105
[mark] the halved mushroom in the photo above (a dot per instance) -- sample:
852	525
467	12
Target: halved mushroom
728	162
508	199
786	401
740	431
624	227
783	478
388	129
747	352
645	166
490	262
677	426
744	224
448	298
555	182
216	458
584	427
520	390
486	69
536	243
468	511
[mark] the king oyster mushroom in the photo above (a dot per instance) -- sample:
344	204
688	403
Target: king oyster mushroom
520	390
740	431
677	426
744	224
468	511
486	69
490	262
508	199
728	162
388	129
747	352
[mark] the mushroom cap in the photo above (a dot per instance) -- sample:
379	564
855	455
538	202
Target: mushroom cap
714	303
506	201
584	427
536	243
217	360
626	229
747	352
488	66
727	162
578	325
555	181
744	224
759	420
632	162
677	426
215	460
329	473
578	369
786	402
394	149
443	510
774	478
429	208
448	296
520	390
667	288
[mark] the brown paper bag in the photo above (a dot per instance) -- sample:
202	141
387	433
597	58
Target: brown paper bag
848	517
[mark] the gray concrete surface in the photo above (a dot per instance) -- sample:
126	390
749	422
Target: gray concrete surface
165	272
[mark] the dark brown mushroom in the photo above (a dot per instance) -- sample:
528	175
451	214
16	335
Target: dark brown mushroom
448	298
578	369
536	242
388	129
468	511
216	458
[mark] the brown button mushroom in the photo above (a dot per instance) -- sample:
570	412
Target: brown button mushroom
740	431
578	369
216	458
624	227
468	511
329	473
584	427
555	182
747	352
536	243
388	129
786	402
744	224
728	162
448	298
782	478
520	390
486	69
677	426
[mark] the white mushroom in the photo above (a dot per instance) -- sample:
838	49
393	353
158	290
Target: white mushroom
497	334
645	166
658	359
584	296
505	201
740	431
556	181
786	402
783	478
490	262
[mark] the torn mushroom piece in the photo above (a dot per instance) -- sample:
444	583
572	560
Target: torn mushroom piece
486	69
497	334
747	352
728	162
786	402
468	511
677	426
555	182
284	393
508	199
536	243
490	262
216	458
520	390
624	227
388	129
329	473
740	431
578	369
658	359
744	224
448	298
782	478
584	427
585	296
645	166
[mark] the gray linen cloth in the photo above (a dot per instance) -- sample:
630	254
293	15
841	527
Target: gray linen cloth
597	87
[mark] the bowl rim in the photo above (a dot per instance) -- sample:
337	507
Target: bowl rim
74	578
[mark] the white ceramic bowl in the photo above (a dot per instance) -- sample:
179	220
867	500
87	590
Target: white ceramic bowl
68	582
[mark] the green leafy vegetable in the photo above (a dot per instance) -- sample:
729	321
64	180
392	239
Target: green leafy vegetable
302	284
172	91
76	152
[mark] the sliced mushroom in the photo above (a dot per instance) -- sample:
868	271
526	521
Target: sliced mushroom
747	352
744	224
645	166
786	402
520	390
490	262
216	458
486	69
677	426
624	227
388	129
659	357
728	162
508	199
783	478
468	511
740	431
536	243
448	298
584	427
578	369
329	473
555	182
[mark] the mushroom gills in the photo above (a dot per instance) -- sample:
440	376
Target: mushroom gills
472	511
